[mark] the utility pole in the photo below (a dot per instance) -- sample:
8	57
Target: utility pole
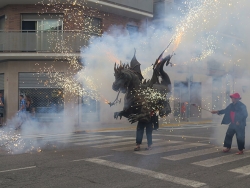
189	79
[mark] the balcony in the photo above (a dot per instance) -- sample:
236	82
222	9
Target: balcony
44	41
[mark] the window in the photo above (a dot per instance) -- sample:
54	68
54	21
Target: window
90	110
2	22
48	98
89	105
92	25
132	30
41	32
44	22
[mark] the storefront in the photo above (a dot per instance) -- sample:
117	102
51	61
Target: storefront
47	98
2	83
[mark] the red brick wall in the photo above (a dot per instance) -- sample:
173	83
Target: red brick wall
73	17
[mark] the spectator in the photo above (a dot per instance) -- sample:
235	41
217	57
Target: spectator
1	108
28	104
183	111
22	111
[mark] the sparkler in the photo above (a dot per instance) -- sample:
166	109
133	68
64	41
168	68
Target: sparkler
195	105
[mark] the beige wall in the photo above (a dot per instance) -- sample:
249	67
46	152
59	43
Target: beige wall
72	110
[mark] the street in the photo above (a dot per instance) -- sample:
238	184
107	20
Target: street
183	156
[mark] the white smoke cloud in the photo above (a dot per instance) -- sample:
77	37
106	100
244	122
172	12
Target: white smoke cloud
212	34
212	30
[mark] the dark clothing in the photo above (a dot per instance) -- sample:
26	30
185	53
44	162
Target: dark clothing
28	108
240	135
155	121
235	113
140	131
2	99
2	108
240	113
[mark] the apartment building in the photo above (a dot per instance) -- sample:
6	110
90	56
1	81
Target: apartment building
210	81
39	38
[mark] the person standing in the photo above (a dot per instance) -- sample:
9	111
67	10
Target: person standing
183	111
140	131
1	108
22	111
235	115
28	104
22	107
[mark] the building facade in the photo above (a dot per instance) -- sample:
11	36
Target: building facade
40	42
37	42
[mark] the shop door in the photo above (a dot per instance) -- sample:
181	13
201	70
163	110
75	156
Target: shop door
195	98
181	96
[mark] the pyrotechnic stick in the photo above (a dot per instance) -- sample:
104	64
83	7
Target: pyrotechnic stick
115	101
165	49
200	107
157	60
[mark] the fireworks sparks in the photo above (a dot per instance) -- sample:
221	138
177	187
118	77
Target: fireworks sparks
198	19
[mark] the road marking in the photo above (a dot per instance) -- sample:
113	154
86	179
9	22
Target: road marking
114	144
186	127
75	136
95	158
183	136
18	169
169	148
191	154
127	148
104	141
222	160
62	137
118	144
245	170
87	139
149	173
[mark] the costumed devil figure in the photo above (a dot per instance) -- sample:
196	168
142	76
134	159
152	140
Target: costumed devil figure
143	97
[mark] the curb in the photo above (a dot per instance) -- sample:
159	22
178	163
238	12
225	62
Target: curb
185	123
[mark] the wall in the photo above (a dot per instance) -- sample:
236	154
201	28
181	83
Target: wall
145	5
11	70
73	18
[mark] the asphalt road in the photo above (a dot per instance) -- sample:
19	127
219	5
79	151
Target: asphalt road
187	156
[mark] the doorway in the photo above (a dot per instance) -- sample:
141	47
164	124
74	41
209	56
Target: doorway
184	97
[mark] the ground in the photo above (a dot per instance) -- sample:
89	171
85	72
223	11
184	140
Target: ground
182	156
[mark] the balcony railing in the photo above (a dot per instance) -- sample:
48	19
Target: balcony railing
44	41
